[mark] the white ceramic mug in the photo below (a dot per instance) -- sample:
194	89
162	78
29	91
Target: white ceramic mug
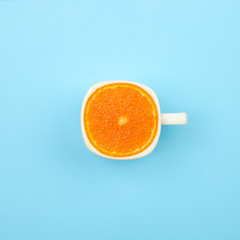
164	119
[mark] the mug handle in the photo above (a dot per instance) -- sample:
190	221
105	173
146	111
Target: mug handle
174	118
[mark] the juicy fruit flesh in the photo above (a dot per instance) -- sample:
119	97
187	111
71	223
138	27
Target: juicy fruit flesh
120	119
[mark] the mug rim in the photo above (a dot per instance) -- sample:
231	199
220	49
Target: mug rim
144	153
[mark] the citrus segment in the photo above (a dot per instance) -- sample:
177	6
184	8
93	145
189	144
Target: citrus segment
120	119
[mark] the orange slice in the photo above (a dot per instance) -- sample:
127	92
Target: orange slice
120	119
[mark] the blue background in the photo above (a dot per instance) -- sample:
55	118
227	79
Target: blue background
52	187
